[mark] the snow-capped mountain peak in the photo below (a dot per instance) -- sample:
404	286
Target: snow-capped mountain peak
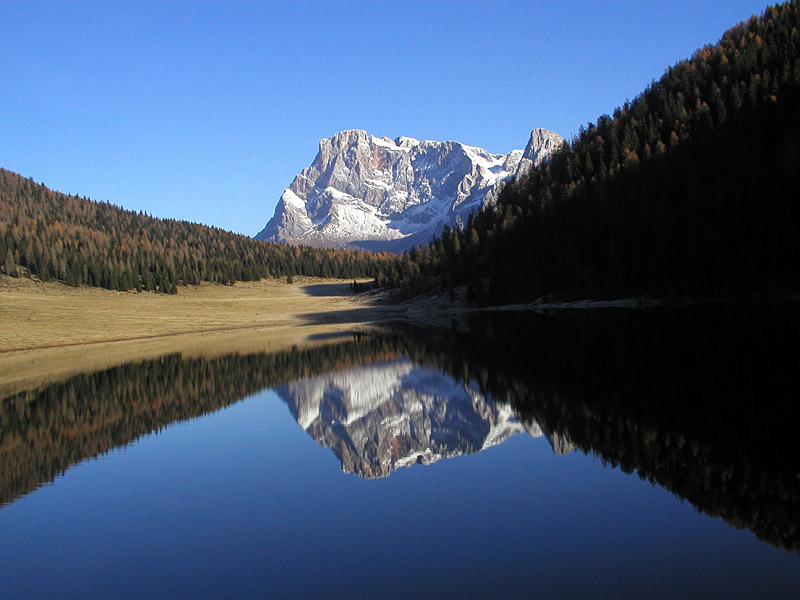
382	194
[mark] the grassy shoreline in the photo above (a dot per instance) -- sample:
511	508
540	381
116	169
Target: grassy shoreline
50	330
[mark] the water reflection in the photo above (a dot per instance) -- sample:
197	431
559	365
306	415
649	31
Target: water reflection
43	432
702	402
379	417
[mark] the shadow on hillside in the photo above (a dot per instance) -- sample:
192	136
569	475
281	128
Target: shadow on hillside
333	335
328	289
355	315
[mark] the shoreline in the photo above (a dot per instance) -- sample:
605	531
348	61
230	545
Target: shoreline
52	331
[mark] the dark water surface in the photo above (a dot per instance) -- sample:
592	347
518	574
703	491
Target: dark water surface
587	454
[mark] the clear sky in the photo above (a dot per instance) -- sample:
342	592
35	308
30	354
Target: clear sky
205	111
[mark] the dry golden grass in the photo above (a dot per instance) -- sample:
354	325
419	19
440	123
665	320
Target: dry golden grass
49	331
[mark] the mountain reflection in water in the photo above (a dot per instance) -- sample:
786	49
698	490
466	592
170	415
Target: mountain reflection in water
379	417
701	401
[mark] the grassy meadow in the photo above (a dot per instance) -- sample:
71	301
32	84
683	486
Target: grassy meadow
50	330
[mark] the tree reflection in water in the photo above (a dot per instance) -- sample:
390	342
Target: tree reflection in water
702	401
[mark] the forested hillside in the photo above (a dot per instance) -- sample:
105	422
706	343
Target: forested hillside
55	236
688	190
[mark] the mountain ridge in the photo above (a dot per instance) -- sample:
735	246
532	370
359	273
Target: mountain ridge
375	193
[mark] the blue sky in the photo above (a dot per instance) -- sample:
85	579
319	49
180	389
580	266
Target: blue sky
205	111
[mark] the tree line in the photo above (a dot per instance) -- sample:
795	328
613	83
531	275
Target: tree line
688	190
54	236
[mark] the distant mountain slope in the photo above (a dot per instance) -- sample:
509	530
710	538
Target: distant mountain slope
78	241
688	190
374	193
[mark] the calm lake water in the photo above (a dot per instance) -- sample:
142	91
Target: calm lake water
589	454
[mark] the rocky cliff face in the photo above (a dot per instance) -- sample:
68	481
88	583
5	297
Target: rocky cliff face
380	194
380	417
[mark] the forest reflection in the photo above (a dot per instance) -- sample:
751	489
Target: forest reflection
702	401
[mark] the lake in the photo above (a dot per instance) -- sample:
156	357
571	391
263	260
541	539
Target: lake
565	455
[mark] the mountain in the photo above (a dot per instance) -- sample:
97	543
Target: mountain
382	416
374	193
